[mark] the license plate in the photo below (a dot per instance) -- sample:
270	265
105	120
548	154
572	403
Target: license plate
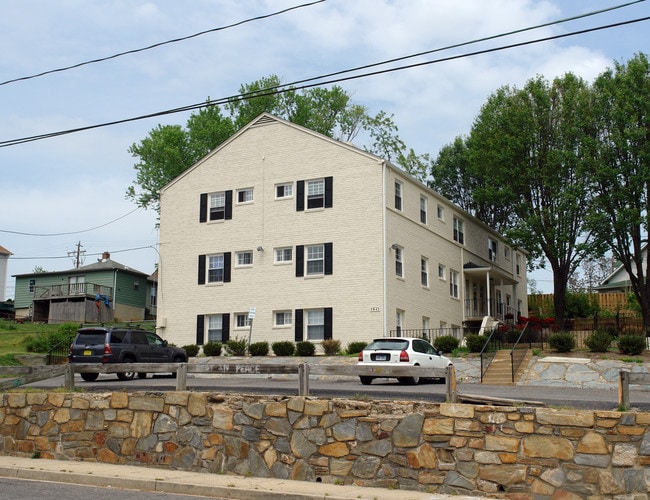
381	357
88	353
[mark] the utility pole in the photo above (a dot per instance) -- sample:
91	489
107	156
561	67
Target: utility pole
76	254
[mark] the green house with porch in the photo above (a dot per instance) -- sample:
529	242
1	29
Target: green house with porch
101	292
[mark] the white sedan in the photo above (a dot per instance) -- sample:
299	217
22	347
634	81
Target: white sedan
404	351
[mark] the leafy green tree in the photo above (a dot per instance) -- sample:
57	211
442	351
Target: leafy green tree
621	170
169	150
523	156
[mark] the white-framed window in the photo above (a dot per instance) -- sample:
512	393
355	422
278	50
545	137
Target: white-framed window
215	268
506	252
518	264
215	328
459	230
315	261
245	195
399	262
423	209
442	272
32	285
218	205
316	324
398	195
453	284
441	212
284	190
282	318
424	271
241	320
316	193
153	296
283	255
426	322
244	258
492	249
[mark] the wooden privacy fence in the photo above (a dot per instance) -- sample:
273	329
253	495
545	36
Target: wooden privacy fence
28	374
542	303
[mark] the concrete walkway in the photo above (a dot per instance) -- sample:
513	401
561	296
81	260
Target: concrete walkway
195	483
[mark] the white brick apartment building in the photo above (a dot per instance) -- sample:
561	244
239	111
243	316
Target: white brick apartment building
324	241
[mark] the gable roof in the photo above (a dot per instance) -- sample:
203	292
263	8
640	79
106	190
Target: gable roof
4	251
101	265
263	120
620	275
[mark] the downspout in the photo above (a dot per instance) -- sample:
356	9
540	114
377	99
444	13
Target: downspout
114	291
384	242
461	285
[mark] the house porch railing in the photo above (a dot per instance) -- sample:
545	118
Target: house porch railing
477	308
68	290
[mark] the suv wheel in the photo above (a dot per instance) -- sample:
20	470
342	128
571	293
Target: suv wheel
127	375
89	377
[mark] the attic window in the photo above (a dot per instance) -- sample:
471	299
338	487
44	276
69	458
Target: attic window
136	285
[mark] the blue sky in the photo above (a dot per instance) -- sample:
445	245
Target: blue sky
73	186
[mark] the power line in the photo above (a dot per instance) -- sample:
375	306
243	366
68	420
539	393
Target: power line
71	232
317	82
89	255
160	44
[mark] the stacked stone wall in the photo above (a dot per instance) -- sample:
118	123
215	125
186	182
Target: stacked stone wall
440	448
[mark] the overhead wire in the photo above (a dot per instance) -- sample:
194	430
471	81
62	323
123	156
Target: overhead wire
19	233
160	44
318	81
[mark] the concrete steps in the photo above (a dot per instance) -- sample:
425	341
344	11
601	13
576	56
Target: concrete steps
500	370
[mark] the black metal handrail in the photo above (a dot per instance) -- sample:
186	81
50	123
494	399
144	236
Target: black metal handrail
485	360
58	354
520	357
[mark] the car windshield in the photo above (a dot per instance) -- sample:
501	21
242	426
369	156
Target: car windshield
91	338
390	344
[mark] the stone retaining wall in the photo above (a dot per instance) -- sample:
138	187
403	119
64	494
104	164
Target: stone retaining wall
442	448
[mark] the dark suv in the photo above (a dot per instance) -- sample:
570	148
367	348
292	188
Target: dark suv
120	345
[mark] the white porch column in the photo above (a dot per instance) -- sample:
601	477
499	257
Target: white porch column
489	301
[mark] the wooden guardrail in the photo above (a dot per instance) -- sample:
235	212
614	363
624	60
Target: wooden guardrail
27	375
626	378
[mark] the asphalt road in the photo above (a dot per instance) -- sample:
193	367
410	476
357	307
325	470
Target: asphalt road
350	387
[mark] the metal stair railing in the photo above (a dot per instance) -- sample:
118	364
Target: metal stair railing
516	363
487	355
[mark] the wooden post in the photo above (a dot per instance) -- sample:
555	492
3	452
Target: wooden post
450	381
624	389
69	377
181	377
303	376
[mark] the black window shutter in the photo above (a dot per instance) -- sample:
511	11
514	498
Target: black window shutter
298	336
300	260
300	196
225	327
201	269
328	323
200	331
328	258
227	257
329	194
228	214
203	208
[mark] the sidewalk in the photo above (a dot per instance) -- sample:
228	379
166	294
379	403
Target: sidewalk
146	478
